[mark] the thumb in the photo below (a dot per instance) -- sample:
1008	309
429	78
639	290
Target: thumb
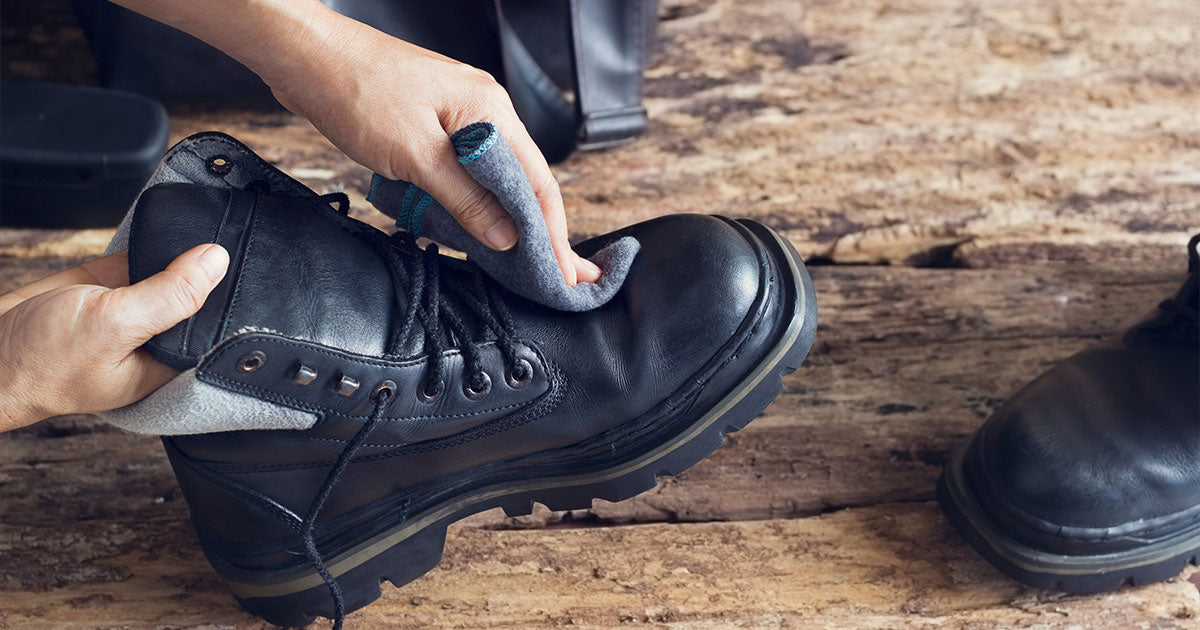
173	294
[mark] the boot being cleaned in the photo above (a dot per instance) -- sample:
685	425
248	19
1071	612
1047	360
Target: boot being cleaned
345	395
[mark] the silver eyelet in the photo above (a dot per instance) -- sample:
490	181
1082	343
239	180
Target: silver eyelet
426	394
304	376
476	394
346	386
526	374
388	386
252	361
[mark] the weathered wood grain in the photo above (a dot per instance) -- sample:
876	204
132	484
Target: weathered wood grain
886	566
925	132
907	363
16	273
993	136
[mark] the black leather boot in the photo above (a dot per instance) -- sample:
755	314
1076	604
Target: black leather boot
436	394
1089	477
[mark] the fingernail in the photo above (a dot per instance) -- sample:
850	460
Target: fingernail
214	260
502	235
590	266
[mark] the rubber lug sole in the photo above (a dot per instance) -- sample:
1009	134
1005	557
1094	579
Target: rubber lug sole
417	554
1076	574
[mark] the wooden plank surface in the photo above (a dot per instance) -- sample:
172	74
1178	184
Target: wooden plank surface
1040	155
914	131
886	566
907	363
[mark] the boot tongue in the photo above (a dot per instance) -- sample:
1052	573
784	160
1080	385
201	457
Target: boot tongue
451	272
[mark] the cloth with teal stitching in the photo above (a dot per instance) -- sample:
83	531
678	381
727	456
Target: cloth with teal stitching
530	268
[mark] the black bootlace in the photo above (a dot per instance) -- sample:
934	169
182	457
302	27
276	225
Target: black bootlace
1181	313
423	289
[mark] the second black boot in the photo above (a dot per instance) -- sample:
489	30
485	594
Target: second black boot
1089	477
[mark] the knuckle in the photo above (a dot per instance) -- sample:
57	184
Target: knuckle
487	94
475	208
404	158
548	187
104	311
110	316
494	90
186	293
481	75
397	165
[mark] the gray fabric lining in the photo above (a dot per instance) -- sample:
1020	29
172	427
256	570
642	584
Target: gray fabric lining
186	405
530	268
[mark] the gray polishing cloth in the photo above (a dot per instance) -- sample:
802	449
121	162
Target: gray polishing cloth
530	268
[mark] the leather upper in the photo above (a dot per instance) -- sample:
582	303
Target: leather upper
1104	445
293	269
698	307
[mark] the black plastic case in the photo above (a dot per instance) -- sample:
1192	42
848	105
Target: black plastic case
140	55
74	156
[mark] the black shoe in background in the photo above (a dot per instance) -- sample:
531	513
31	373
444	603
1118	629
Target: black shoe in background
1089	477
74	156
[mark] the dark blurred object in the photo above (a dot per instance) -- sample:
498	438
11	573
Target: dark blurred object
140	55
42	41
74	156
573	67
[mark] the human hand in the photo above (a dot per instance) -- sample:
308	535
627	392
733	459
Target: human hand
391	106
69	343
387	104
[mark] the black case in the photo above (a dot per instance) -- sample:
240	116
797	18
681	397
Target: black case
74	156
140	55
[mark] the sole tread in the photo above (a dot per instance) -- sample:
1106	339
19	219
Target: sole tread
1047	576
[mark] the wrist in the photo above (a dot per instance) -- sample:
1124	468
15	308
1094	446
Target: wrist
18	411
261	34
304	55
282	39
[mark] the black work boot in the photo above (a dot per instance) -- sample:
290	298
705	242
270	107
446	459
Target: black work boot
433	393
1089	477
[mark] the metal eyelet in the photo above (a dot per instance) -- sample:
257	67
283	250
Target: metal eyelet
426	394
220	165
525	376
304	375
388	386
476	394
252	361
346	386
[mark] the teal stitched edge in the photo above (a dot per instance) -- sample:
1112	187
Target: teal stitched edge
480	150
410	191
375	179
418	214
404	216
411	216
